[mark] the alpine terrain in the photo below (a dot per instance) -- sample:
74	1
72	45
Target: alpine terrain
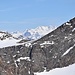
51	54
33	34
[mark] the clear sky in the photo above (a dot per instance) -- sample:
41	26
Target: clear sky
18	15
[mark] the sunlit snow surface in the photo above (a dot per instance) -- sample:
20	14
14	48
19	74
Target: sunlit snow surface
70	70
8	42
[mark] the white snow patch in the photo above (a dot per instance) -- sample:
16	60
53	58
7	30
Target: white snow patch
23	58
15	63
19	59
28	44
29	72
73	29
8	62
18	51
47	42
70	34
71	26
68	23
69	70
54	56
66	37
42	46
68	50
14	56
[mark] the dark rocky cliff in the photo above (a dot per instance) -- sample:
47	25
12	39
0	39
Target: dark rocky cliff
57	49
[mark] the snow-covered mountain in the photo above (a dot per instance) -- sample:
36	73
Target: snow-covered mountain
10	39
38	32
53	54
34	33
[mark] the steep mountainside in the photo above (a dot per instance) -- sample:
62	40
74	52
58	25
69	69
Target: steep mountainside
55	50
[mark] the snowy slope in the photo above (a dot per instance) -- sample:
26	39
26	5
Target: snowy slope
6	39
8	42
69	70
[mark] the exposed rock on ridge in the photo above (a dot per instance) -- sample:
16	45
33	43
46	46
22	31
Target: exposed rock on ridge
56	49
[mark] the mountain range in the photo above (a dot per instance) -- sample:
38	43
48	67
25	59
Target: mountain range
52	54
33	34
14	38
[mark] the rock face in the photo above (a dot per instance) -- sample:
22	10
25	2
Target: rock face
56	49
14	60
4	35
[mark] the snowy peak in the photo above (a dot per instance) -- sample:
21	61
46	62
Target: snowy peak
33	34
38	32
43	30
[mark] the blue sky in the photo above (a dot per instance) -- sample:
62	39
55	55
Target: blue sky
18	15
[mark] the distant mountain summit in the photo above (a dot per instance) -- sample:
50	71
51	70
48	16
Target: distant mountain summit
38	32
33	34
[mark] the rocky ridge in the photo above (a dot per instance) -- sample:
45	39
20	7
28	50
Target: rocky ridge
55	50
